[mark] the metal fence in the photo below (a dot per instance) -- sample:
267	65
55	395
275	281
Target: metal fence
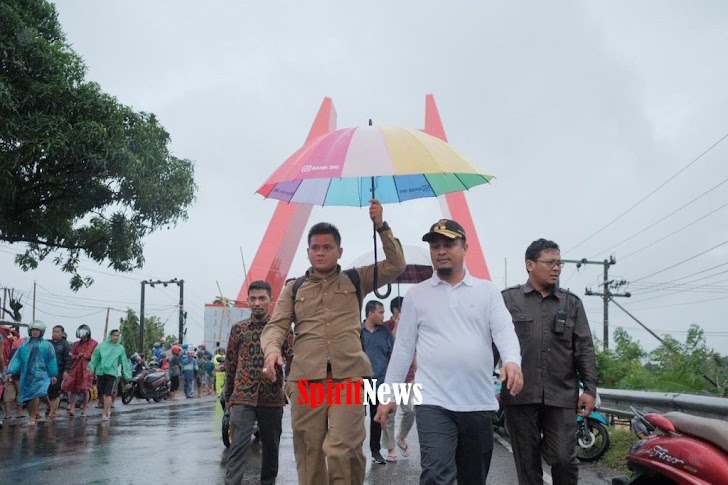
618	402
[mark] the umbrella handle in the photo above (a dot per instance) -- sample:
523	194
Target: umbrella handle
376	269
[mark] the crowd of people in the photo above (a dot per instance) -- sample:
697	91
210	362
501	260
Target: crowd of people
447	334
36	371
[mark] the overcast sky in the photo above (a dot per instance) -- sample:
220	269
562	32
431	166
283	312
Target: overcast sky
580	109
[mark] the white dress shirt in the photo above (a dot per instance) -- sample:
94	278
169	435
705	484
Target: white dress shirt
452	328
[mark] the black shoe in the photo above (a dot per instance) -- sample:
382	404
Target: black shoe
378	458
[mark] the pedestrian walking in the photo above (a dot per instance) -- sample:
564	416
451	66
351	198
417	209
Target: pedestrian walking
558	351
80	380
249	397
452	321
63	359
105	362
35	362
174	371
378	343
189	371
407	408
327	440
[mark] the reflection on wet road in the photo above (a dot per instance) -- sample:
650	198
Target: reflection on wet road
167	443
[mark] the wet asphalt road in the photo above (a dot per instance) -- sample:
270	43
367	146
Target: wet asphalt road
171	442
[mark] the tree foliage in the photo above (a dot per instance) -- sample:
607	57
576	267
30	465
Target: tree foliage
153	332
673	366
80	173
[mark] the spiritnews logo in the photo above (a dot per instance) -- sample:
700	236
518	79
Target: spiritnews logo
357	393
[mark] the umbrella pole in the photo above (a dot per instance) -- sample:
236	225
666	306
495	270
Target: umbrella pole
376	269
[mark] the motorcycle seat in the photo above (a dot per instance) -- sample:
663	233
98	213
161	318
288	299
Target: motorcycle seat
149	378
711	430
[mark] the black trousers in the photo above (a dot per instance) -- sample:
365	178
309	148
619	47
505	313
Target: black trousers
526	423
375	430
454	445
242	419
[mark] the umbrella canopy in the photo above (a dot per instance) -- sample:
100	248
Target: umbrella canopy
337	168
419	265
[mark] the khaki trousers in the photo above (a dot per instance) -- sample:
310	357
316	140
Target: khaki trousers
327	440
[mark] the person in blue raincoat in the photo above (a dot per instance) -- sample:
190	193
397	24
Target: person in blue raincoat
35	361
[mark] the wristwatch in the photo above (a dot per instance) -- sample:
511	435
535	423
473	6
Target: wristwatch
385	227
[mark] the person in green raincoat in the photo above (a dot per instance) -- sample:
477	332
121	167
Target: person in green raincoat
35	361
105	362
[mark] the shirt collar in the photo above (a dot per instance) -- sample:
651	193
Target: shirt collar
250	320
467	279
312	277
528	288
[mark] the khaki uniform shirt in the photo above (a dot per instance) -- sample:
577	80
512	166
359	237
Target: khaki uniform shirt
328	319
552	363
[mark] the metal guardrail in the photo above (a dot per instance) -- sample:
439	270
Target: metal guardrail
617	402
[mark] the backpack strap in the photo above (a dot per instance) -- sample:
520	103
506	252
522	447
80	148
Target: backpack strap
351	273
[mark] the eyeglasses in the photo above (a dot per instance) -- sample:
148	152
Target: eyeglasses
551	262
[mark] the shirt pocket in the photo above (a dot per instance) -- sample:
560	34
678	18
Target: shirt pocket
304	306
523	323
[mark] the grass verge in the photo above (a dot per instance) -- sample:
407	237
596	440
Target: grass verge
620	441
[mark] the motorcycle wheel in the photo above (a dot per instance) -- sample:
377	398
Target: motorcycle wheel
156	398
226	431
600	445
127	396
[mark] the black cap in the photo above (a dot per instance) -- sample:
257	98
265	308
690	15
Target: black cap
447	228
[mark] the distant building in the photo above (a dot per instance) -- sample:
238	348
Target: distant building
218	320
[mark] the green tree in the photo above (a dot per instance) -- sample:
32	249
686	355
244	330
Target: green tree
129	328
80	173
621	368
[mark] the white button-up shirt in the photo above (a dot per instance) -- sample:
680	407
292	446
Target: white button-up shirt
452	328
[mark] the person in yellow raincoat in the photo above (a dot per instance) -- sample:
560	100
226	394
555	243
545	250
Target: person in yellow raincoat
219	360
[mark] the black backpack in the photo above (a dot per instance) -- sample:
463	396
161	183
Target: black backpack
352	274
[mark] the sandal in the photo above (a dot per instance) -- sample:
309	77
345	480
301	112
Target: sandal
405	448
391	459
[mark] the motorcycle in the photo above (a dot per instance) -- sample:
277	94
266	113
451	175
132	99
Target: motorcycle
227	430
156	387
677	448
592	437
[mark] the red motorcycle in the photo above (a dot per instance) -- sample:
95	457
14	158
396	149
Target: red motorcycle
677	448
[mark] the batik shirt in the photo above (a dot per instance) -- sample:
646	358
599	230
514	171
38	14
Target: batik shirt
244	380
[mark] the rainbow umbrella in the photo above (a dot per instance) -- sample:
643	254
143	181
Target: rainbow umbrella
339	168
350	166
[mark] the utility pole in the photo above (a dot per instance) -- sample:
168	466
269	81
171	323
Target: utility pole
606	293
140	347
181	310
151	283
106	324
34	301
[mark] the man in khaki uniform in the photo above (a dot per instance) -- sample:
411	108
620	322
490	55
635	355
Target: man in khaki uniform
327	440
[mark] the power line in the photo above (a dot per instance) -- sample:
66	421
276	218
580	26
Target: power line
664	218
681	262
674	232
680	304
651	193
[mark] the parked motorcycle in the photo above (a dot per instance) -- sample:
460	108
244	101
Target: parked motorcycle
677	448
227	430
592	437
156	387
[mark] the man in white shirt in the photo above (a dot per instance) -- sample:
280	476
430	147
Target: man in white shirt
452	321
